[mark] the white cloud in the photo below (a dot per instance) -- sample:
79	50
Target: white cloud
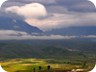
89	36
47	37
11	32
52	22
33	10
64	20
18	35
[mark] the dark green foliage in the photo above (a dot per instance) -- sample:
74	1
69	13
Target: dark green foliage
74	50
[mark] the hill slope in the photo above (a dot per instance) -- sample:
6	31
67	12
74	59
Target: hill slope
48	49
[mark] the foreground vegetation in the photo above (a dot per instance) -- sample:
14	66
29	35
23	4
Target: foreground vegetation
24	56
27	65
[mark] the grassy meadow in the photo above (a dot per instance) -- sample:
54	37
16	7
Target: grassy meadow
27	65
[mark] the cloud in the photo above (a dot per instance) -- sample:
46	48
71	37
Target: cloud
53	22
56	9
72	5
11	32
33	10
77	5
89	36
64	20
18	35
83	6
36	14
39	1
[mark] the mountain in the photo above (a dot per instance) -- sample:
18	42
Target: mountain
82	30
7	23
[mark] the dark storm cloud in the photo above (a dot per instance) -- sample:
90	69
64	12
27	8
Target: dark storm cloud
57	6
77	5
60	13
38	1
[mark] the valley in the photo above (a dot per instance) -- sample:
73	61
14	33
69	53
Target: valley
22	56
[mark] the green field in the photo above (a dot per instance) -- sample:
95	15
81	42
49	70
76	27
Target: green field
27	65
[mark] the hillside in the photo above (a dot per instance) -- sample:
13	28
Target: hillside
48	49
61	55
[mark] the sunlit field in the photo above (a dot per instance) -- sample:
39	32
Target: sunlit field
27	65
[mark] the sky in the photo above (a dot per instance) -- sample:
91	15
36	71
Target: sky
51	14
